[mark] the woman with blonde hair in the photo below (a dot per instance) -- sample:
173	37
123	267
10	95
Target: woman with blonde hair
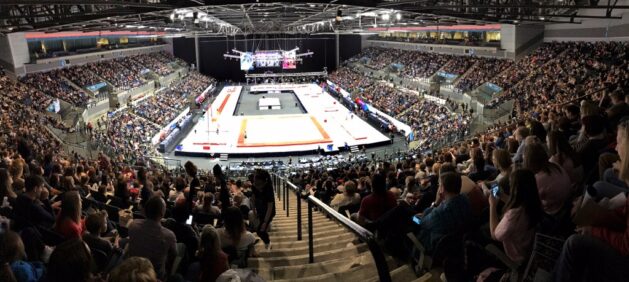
620	168
134	269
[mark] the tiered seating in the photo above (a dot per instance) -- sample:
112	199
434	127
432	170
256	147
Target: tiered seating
53	85
459	64
151	62
431	121
128	136
80	76
117	74
528	64
389	99
486	69
420	65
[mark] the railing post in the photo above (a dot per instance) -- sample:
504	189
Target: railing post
298	196
277	188
310	239
283	187
287	197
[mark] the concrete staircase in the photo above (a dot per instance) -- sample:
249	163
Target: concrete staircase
338	254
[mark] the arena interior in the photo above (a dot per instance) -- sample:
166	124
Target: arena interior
345	140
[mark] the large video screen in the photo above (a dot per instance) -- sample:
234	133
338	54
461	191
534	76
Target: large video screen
246	61
268	59
289	60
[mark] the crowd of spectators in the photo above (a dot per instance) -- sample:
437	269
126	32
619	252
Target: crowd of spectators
127	136
482	72
117	74
154	62
581	68
133	65
68	218
178	94
154	111
53	85
79	75
542	174
432	122
459	64
389	99
350	80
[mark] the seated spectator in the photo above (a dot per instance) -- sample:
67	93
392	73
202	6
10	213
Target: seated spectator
95	225
233	235
147	237
563	155
70	261
590	144
68	222
6	185
206	206
614	182
597	253
520	216
449	213
29	209
347	197
134	269
184	233
378	202
502	161
553	183
213	260
14	266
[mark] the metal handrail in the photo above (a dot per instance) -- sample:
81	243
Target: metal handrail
282	185
362	233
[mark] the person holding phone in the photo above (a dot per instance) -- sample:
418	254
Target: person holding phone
521	214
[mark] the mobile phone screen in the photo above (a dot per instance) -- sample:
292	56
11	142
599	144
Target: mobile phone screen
495	190
417	220
189	221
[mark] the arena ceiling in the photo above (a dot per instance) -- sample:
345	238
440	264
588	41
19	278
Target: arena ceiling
234	17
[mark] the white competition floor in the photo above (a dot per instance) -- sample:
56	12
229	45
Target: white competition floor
326	122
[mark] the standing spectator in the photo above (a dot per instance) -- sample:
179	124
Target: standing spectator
264	204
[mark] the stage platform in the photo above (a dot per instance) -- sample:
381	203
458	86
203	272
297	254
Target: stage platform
325	124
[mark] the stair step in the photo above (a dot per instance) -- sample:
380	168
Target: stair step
327	267
276	252
357	273
316	234
316	240
401	274
303	259
293	229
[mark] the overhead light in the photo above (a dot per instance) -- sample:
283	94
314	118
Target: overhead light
516	21
312	5
386	17
172	16
398	16
542	18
